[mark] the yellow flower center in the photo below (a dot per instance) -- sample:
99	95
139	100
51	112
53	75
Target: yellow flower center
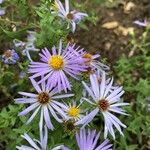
73	112
43	98
88	58
56	62
87	55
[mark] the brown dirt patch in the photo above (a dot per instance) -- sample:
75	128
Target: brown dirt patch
106	41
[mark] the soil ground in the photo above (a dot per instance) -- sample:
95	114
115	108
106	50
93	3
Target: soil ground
109	42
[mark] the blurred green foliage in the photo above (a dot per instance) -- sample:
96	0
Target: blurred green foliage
133	72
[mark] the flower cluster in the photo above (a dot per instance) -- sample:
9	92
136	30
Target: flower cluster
51	76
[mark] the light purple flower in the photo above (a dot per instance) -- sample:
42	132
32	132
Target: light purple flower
46	101
35	144
72	17
27	46
143	24
89	141
56	65
39	145
105	101
73	111
92	63
10	57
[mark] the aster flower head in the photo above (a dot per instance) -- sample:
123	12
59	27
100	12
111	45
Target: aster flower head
92	63
73	114
73	111
142	24
35	144
39	144
89	141
27	46
105	101
10	57
72	17
56	65
148	105
46	101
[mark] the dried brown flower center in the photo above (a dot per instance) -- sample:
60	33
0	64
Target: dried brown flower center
70	125
43	98
89	71
7	53
103	105
70	16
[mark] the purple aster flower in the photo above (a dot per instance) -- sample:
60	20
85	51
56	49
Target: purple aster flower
35	144
105	101
73	114
72	17
92	63
10	57
39	145
88	141
46	101
73	111
56	65
140	23
27	46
